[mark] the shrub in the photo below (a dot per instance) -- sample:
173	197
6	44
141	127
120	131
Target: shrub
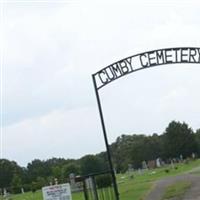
104	181
16	190
167	170
34	186
27	187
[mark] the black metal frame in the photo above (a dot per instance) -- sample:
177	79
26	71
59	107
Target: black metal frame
141	66
106	141
162	54
97	192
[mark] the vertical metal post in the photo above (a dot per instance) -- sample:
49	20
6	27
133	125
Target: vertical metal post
106	140
85	189
94	188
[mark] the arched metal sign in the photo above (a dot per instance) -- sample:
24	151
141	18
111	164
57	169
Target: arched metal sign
146	60
178	55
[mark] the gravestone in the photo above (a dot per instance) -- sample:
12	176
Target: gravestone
55	181
72	181
22	190
162	163
6	195
172	164
144	165
4	192
181	158
151	164
130	168
130	171
139	171
193	156
158	163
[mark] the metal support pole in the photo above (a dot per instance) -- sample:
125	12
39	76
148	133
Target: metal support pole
94	188
106	140
85	190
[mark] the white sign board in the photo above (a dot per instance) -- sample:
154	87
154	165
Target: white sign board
57	192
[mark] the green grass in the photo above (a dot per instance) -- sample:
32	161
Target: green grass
38	196
130	189
177	190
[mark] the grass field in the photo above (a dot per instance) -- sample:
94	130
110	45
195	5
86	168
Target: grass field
130	188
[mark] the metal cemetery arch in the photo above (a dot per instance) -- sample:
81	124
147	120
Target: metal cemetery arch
135	63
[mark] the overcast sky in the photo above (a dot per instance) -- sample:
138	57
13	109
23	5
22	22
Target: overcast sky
51	48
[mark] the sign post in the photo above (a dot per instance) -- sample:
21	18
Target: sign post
57	192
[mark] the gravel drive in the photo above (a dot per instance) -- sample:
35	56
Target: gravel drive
160	186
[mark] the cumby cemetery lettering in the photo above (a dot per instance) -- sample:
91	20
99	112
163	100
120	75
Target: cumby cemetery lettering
57	192
145	60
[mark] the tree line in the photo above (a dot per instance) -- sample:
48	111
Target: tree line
177	140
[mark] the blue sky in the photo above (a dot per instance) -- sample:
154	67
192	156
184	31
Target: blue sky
50	50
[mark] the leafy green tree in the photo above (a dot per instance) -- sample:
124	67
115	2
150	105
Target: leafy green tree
179	140
90	164
140	150
7	171
104	181
197	138
121	152
16	184
40	182
57	172
50	180
103	158
38	168
68	169
34	186
127	150
133	149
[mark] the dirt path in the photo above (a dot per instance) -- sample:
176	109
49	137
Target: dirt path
192	194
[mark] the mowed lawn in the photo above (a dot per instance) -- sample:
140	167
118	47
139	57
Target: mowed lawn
135	188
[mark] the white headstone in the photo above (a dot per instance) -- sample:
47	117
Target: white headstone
72	179
57	192
144	165
193	155
158	162
130	168
172	164
4	192
139	171
55	181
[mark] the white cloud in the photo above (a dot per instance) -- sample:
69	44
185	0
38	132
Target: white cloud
53	48
61	133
